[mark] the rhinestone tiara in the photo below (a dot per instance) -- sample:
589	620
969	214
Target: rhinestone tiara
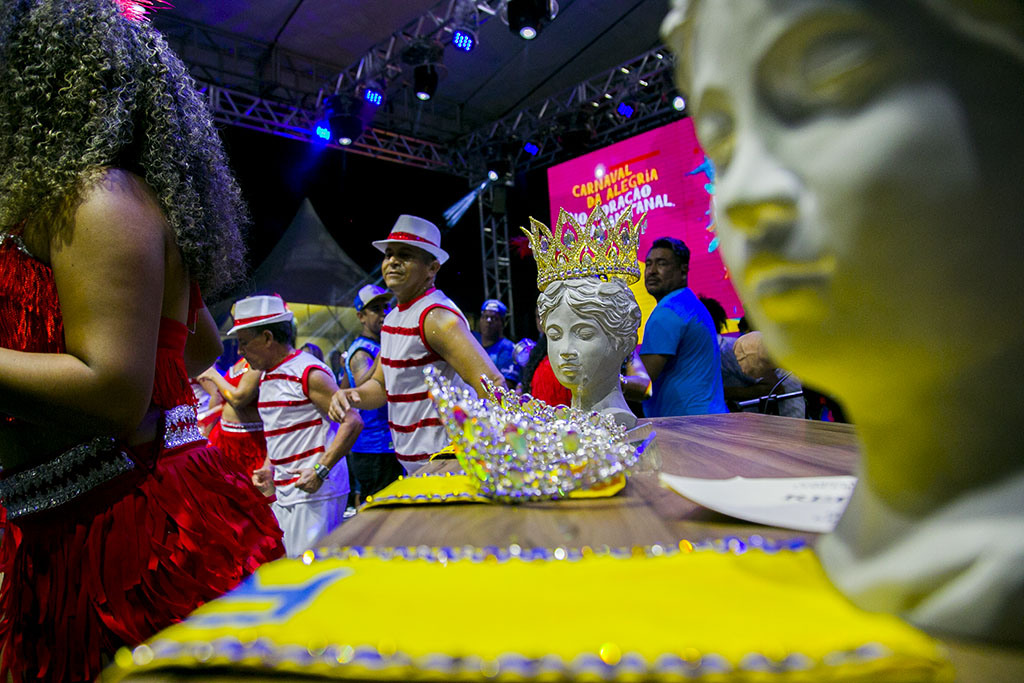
519	448
596	248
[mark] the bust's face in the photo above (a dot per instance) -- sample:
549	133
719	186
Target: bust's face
849	193
581	353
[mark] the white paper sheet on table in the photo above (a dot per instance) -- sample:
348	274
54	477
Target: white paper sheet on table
800	503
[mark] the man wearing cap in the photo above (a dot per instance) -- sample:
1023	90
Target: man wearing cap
372	461
426	328
492	337
307	473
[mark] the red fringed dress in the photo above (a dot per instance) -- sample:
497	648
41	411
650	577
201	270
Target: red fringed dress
243	442
106	544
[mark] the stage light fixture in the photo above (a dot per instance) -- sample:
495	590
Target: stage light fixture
678	103
344	120
625	110
323	130
531	148
492	175
424	81
528	17
372	93
465	20
426	59
347	128
464	39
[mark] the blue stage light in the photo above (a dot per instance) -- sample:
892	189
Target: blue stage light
373	95
624	110
531	148
323	132
463	39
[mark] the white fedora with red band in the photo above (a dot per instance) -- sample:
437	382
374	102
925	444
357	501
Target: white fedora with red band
259	310
417	232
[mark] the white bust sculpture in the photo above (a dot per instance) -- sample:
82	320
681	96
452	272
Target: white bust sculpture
591	327
869	199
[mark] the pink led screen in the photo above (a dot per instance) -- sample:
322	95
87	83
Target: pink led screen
660	172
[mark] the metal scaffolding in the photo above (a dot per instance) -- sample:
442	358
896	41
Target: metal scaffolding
270	116
265	87
494	250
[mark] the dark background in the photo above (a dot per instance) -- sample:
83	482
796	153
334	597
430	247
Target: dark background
358	198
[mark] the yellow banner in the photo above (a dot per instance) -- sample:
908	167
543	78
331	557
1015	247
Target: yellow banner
722	612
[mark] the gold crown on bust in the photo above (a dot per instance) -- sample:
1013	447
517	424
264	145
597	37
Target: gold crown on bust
594	249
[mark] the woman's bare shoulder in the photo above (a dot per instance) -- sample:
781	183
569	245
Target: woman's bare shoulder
118	192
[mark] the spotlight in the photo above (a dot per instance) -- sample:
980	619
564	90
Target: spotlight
531	148
347	128
678	103
372	93
624	110
528	17
492	175
465	20
424	81
344	121
425	57
464	39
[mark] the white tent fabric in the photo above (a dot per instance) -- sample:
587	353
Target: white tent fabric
307	266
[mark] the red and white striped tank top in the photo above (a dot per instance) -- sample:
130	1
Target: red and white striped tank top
416	429
297	433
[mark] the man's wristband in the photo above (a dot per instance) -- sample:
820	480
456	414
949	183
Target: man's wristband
322	471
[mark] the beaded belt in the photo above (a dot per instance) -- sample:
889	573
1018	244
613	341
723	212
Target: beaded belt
181	427
84	467
241	427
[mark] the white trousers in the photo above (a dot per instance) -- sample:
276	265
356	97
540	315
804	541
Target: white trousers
304	524
413	466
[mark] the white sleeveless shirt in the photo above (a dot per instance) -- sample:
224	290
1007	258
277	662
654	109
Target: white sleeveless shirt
416	428
297	433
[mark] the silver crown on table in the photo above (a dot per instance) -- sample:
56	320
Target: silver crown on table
519	448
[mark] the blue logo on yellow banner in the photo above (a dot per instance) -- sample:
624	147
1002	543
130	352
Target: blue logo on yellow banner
252	603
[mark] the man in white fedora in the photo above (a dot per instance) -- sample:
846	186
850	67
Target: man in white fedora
305	469
425	328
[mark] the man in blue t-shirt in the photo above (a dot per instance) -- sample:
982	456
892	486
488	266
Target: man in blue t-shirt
680	349
492	337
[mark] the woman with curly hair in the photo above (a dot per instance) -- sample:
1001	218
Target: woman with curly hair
116	208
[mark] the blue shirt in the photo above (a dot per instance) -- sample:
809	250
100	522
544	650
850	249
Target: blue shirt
691	381
502	353
376	434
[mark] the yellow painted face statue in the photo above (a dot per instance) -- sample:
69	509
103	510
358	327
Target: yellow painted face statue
869	166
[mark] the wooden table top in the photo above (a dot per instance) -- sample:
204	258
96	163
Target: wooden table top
711	446
644	513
